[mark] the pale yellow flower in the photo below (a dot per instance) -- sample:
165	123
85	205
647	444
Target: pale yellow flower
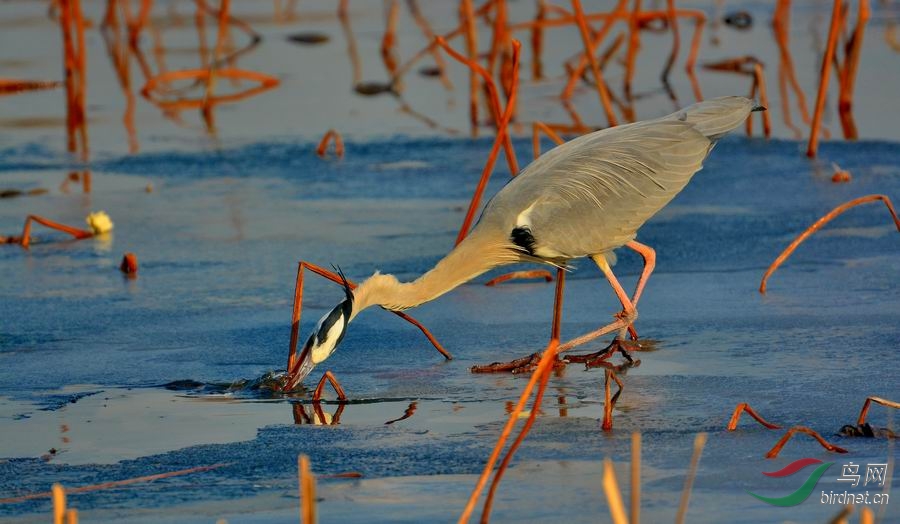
100	222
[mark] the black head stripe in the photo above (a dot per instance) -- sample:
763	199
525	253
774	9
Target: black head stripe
522	237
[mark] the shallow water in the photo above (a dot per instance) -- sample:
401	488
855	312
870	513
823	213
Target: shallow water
86	354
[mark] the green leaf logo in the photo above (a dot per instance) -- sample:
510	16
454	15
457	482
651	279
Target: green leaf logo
802	493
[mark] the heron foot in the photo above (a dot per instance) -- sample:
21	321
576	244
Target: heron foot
519	365
599	358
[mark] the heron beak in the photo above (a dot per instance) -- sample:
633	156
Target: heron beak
322	343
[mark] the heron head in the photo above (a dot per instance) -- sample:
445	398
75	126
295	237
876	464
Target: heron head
324	339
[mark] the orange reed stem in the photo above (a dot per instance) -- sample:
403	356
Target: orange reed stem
620	11
426	29
536	128
818	224
848	78
537	43
307	491
331	136
389	40
699	443
468	22
408	412
9	86
634	44
265	82
743	407
760	79
517	275
494	96
610	402
865	409
672	19
595	67
543	367
802	429
502	137
25	241
532	416
499	37
833	31
542	373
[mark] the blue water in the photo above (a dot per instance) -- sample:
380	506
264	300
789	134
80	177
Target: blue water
218	240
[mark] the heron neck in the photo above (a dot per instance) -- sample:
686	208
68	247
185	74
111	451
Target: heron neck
472	257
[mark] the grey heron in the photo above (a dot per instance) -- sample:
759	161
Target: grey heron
584	198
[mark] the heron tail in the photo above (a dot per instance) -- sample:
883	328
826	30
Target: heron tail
716	117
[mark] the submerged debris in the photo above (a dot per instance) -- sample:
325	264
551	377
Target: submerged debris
866	430
742	20
308	38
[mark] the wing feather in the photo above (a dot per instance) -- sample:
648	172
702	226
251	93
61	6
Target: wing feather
590	195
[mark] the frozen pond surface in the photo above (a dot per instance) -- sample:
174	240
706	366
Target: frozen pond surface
85	352
124	378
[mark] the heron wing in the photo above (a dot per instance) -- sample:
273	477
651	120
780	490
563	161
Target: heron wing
590	195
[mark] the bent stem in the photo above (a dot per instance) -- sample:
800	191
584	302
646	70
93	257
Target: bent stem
805	430
491	87
329	377
744	407
536	128
600	84
25	239
818	224
501	138
610	400
331	136
865	409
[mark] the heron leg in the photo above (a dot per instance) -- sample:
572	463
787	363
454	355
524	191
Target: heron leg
520	365
530	362
624	319
649	256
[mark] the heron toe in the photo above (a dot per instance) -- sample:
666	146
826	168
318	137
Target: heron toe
599	358
520	365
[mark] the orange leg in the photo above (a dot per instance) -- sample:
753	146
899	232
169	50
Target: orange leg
530	362
649	256
623	321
